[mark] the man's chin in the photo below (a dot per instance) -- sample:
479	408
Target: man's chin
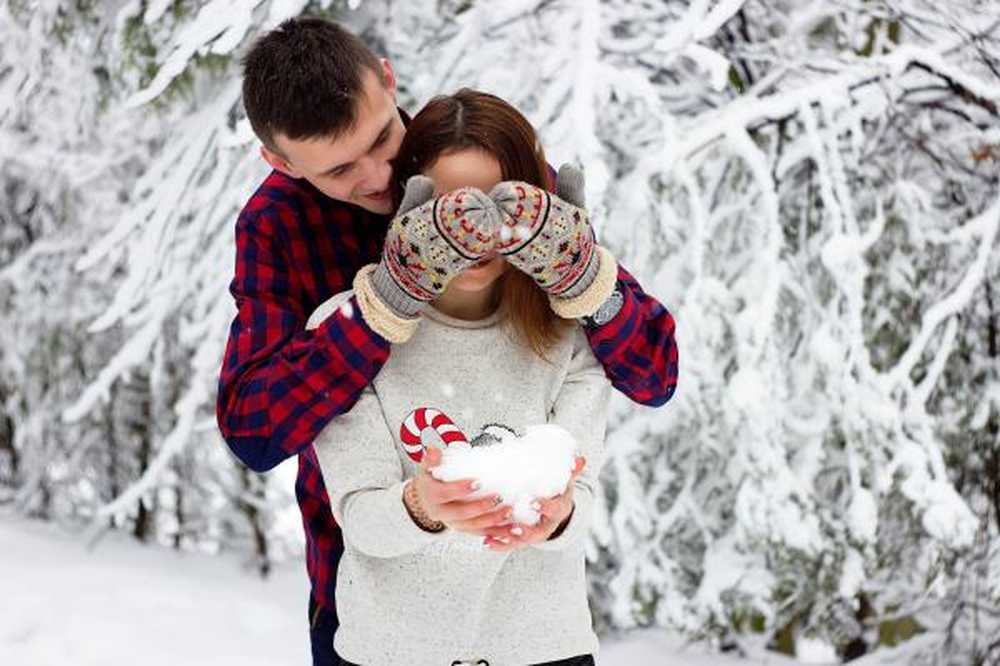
377	206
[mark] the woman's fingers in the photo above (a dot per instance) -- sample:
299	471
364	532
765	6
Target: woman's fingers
504	530
519	531
554	507
511	537
503	544
432	458
484	524
443	492
460	511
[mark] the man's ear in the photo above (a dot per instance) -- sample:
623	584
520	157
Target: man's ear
388	76
279	163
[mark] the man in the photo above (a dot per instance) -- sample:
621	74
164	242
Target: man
324	109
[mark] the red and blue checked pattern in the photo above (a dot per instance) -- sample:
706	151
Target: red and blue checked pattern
280	384
637	347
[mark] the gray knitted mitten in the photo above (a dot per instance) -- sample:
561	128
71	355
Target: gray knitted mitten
430	241
549	237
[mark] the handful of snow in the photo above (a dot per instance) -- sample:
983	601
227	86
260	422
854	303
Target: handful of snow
519	469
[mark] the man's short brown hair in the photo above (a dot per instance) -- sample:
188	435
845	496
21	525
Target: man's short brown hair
303	80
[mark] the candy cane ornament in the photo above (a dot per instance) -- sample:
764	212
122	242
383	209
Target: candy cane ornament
420	419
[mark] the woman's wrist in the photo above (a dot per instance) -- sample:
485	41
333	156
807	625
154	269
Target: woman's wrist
418	514
562	526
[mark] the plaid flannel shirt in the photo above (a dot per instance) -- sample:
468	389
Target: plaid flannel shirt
280	384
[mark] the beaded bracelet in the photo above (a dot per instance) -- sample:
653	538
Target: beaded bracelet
417	512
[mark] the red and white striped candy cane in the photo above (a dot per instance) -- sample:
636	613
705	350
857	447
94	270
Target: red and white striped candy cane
419	420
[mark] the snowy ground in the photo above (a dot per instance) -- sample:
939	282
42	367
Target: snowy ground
124	603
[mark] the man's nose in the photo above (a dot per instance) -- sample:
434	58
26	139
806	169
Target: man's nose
376	174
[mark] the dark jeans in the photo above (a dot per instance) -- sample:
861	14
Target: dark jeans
322	625
582	660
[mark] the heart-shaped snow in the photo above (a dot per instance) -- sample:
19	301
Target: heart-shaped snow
520	469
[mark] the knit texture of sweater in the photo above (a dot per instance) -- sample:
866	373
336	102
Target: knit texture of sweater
407	596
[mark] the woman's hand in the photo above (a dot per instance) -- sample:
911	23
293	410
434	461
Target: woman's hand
555	513
445	501
548	236
430	241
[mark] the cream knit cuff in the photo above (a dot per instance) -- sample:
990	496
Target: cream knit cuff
377	314
587	303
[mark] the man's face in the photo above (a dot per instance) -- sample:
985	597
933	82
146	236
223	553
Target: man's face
354	167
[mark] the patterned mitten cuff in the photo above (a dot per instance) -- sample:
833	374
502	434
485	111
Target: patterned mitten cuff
586	302
401	303
377	314
585	280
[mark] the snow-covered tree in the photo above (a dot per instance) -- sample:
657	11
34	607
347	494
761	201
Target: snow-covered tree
810	187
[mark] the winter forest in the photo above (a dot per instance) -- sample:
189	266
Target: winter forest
809	186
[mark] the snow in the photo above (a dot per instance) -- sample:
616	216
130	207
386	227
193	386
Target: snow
825	236
862	516
521	469
121	602
815	651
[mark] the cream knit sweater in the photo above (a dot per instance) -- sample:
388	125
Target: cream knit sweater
406	596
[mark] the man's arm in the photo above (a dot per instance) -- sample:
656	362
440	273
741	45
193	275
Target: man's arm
280	384
637	346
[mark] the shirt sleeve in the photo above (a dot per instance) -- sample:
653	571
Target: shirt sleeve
280	384
581	407
637	347
365	478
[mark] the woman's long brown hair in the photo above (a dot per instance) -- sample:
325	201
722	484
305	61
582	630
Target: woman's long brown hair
473	119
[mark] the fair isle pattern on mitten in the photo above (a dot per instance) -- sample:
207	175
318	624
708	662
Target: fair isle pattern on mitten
549	239
439	239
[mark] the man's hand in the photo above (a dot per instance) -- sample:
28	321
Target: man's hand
555	512
446	501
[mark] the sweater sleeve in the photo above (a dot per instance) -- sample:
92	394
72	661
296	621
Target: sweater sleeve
581	407
365	478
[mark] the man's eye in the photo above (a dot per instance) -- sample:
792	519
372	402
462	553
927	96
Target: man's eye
338	172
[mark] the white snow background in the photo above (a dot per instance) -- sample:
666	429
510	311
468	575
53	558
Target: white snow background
812	188
124	603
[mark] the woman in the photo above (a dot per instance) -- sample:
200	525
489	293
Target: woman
489	351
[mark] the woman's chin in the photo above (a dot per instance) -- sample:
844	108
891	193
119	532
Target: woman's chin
472	283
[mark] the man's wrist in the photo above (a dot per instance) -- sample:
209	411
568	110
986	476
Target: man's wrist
607	310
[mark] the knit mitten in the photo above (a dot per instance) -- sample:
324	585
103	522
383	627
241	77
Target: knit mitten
550	238
428	243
